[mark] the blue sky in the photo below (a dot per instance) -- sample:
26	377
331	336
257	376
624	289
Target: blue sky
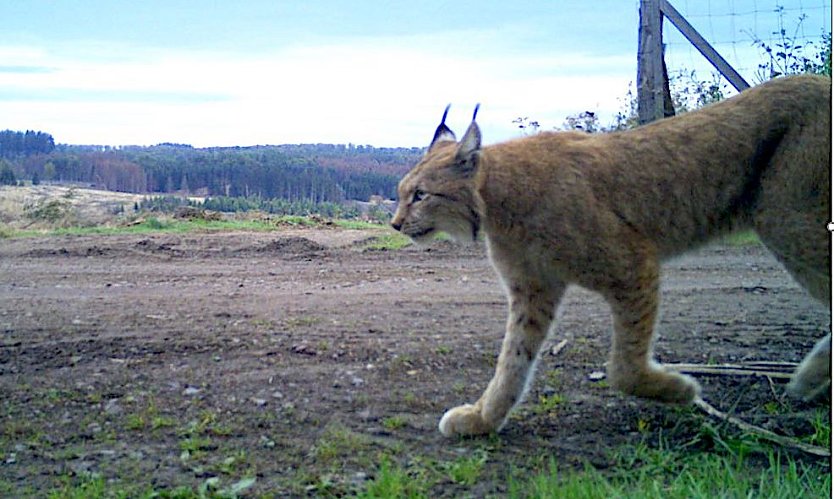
212	73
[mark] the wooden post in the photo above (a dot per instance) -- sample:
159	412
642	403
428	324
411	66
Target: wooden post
650	63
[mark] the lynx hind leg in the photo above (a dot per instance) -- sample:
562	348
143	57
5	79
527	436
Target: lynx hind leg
813	376
631	368
532	308
791	220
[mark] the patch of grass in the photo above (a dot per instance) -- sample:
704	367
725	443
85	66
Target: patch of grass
393	422
745	238
394	481
338	443
301	321
356	224
135	422
822	429
298	220
666	474
83	487
194	447
148	416
152	225
548	404
468	469
443	349
388	241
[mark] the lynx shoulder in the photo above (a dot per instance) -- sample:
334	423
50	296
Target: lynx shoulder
603	211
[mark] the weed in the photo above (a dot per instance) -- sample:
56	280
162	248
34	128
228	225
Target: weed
355	224
466	470
410	398
158	422
663	473
822	429
394	422
301	321
394	481
745	238
135	422
82	487
553	378
194	447
388	241
548	404
337	443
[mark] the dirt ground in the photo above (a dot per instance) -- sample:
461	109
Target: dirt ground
299	358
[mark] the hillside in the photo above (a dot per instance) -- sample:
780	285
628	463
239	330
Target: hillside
313	172
29	206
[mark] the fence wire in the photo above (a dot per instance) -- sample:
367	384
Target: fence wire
738	28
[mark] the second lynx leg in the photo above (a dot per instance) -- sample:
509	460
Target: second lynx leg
631	367
531	313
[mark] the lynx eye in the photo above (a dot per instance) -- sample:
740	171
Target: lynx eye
418	196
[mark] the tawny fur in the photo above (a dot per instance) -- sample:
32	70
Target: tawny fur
602	211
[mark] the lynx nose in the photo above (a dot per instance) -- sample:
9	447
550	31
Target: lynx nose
396	226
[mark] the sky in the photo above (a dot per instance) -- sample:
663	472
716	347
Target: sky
222	73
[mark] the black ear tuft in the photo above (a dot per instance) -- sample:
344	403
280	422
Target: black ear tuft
475	114
445	113
443	133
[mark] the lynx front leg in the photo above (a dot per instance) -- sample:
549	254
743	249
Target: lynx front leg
631	367
531	312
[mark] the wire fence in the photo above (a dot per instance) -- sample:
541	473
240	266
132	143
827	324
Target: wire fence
738	28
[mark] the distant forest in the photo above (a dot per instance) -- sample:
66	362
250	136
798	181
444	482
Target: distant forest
303	172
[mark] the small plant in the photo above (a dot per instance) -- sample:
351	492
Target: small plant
822	429
135	422
467	470
393	422
394	481
548	404
788	55
194	447
388	241
80	487
338	442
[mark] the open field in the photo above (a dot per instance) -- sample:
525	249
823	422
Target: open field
299	362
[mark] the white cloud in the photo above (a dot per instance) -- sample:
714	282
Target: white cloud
383	91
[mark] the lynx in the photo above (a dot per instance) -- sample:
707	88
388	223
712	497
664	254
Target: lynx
603	210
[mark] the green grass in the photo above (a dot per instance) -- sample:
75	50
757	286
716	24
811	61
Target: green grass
388	241
641	472
356	224
394	422
466	470
393	481
745	238
167	225
666	474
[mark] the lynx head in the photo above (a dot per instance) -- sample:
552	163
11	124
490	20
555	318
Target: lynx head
438	195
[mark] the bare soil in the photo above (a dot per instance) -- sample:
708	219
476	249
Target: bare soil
300	358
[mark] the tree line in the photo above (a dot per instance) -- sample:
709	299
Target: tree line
312	172
25	143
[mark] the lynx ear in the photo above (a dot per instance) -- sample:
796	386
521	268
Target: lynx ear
443	133
469	147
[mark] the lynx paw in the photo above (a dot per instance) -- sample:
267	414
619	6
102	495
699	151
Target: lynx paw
464	420
659	384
